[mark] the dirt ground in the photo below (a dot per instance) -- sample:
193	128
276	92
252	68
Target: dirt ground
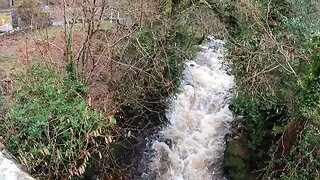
8	48
14	50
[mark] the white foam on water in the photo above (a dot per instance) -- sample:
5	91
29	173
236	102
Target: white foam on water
199	120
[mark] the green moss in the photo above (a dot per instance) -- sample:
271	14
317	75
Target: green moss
236	160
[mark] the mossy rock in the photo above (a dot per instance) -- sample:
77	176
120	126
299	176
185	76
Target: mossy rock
236	161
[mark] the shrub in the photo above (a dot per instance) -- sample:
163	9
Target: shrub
138	65
268	43
261	118
51	128
310	83
303	161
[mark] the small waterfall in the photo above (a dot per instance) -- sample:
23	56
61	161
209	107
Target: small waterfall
199	120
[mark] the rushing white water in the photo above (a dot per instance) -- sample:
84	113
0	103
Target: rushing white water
199	120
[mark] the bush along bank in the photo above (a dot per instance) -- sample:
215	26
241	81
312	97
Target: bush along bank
51	128
302	161
271	54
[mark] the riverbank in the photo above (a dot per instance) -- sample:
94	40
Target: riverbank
270	47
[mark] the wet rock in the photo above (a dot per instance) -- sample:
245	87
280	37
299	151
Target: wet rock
230	72
167	141
1	147
236	162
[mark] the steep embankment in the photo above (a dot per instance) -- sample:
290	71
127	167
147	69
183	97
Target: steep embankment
272	54
9	168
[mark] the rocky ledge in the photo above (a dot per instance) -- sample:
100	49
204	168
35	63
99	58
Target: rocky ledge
9	170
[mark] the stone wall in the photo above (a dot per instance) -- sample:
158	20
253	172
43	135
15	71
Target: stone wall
9	170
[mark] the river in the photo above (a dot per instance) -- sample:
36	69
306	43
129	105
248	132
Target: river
199	118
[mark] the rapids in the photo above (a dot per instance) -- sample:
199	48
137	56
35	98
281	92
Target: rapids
199	118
